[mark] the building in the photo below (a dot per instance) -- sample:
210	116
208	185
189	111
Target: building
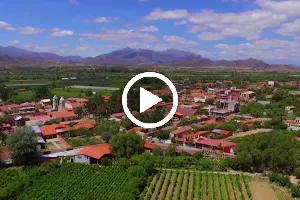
219	145
181	130
37	120
63	115
233	106
221	133
93	154
248	94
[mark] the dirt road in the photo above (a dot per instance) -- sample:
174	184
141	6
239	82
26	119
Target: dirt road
252	132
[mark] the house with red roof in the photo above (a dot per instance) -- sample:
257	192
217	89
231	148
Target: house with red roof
93	154
180	130
37	120
184	139
51	131
63	115
208	144
221	134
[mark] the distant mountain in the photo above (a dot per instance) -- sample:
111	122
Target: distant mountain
15	52
129	56
12	57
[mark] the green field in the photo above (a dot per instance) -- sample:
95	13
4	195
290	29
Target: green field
68	181
174	184
28	95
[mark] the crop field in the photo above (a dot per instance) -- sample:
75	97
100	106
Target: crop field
68	181
185	185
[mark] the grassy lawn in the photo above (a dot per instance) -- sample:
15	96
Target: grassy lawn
83	141
27	95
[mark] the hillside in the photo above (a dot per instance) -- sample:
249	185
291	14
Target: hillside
16	57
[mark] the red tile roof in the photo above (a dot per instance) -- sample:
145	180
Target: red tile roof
52	129
118	115
215	143
95	151
136	129
64	114
149	145
40	117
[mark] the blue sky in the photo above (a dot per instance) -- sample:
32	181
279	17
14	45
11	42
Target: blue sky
219	29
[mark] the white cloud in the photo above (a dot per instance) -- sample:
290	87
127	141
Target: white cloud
102	19
290	7
182	22
266	49
120	35
28	30
210	36
158	14
147	29
62	33
196	28
179	40
290	29
6	26
14	42
85	48
73	2
81	40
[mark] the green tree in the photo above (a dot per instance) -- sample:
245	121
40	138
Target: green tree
163	134
193	118
127	145
171	150
42	92
157	151
23	145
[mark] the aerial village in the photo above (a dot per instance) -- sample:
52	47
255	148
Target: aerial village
195	127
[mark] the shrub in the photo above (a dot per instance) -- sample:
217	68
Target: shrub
280	179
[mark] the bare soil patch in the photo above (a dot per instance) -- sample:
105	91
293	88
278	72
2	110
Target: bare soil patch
262	191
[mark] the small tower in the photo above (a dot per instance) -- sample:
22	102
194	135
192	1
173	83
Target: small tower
55	102
61	104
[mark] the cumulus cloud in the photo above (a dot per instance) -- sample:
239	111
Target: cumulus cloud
62	33
182	22
179	40
158	14
147	29
6	26
290	29
196	28
81	40
28	30
287	7
85	48
14	42
120	35
102	19
270	49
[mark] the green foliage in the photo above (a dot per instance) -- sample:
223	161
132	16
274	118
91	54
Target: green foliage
171	150
51	121
297	172
157	151
276	151
203	112
127	145
229	126
282	180
5	93
254	109
110	182
163	134
209	127
42	92
88	93
295	189
23	145
193	118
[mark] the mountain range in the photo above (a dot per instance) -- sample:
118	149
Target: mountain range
12	56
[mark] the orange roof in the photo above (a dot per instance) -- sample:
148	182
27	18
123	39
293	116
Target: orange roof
64	113
149	145
136	129
95	151
53	129
118	115
87	126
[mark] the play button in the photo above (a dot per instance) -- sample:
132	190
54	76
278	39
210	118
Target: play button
147	100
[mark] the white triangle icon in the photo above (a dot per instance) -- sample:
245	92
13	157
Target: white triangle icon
147	100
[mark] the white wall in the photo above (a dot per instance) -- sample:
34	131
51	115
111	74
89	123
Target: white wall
81	159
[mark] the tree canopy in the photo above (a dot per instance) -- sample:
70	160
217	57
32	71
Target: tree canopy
126	145
23	145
